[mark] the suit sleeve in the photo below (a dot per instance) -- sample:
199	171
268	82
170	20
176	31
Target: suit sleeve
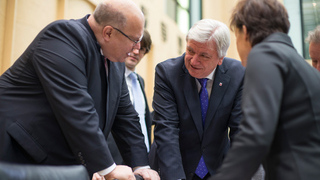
263	86
166	127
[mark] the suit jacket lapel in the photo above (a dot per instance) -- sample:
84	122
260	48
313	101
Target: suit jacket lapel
219	87
104	86
112	83
193	102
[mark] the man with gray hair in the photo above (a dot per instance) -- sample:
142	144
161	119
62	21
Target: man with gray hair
196	101
314	47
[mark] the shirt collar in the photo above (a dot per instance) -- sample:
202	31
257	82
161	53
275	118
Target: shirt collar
127	72
84	21
210	76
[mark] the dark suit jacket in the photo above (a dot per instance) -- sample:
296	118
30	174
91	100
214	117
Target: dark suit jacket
57	107
179	134
111	139
281	116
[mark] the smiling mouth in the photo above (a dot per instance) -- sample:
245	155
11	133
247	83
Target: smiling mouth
196	68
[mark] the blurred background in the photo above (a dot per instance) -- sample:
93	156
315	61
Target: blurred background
166	20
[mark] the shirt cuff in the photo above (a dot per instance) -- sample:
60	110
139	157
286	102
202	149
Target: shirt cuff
141	167
107	170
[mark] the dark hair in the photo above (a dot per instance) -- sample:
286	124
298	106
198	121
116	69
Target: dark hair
146	41
261	18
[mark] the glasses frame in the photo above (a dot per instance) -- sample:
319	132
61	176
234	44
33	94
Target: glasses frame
135	42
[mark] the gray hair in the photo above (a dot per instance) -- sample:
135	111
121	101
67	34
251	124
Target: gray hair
314	36
106	14
209	30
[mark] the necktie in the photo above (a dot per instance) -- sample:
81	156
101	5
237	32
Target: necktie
138	100
202	170
203	98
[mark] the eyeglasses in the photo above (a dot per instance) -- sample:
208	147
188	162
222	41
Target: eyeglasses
135	42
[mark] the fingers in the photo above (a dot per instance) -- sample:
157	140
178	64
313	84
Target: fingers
125	173
97	176
121	173
148	174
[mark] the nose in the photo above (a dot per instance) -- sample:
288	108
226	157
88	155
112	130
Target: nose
195	60
135	51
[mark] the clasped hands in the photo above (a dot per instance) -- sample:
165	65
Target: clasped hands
122	172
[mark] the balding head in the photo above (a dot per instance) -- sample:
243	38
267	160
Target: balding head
118	26
117	13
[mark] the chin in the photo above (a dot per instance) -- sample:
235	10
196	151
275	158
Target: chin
195	75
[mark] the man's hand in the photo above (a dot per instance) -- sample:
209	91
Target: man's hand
97	176
121	172
147	174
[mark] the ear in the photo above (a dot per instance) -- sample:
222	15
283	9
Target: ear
245	32
107	32
220	61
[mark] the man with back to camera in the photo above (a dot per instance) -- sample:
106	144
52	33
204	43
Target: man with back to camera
138	99
197	97
64	94
314	47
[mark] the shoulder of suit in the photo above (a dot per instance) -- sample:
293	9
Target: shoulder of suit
172	62
231	62
140	77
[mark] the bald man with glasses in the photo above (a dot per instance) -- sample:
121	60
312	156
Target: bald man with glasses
64	95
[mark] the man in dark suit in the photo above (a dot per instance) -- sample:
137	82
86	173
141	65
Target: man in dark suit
280	103
58	102
190	144
138	98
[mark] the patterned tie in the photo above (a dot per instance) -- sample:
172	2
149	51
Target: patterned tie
202	170
204	100
138	105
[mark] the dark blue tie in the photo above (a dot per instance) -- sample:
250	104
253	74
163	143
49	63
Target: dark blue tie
202	170
204	100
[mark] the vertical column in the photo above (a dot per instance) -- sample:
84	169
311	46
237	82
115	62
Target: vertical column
9	28
149	80
61	9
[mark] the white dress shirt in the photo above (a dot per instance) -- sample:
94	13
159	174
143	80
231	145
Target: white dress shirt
143	104
209	83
